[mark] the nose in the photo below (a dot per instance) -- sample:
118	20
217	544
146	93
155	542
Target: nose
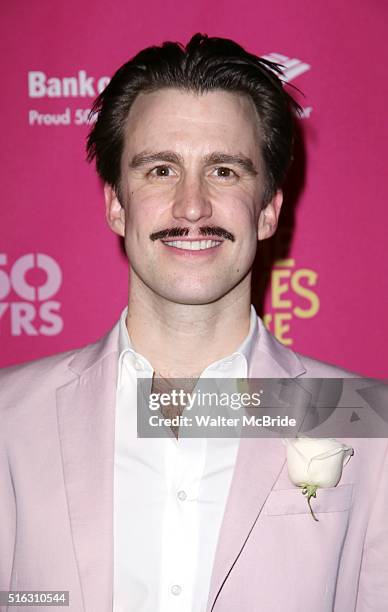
191	202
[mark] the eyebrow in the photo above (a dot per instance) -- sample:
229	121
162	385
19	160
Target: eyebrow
144	158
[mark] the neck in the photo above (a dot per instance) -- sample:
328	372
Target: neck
181	340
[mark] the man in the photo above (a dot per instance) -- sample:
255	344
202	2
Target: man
193	145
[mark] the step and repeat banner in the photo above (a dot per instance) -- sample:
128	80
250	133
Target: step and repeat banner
320	284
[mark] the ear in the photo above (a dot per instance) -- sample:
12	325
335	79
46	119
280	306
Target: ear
114	212
269	216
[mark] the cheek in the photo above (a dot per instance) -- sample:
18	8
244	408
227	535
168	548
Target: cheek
145	212
241	213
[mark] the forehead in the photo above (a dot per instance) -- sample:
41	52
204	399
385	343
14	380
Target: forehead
190	122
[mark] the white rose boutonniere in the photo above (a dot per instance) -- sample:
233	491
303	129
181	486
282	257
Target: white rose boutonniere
316	463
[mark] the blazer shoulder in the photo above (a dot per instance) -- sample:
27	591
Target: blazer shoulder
32	382
321	369
23	383
273	359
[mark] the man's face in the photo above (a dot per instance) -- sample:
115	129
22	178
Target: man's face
192	185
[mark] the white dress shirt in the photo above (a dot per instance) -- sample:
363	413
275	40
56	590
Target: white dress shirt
169	496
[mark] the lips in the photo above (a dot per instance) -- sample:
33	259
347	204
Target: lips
193	245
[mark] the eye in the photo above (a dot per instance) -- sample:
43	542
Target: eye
161	172
225	173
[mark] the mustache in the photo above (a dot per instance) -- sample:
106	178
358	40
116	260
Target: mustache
207	230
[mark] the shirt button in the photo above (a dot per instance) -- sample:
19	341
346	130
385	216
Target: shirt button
176	589
182	495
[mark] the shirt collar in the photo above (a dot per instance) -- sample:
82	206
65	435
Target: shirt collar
124	339
248	345
244	351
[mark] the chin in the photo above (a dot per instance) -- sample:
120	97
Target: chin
193	299
192	291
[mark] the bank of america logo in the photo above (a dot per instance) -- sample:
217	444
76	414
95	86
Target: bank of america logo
292	67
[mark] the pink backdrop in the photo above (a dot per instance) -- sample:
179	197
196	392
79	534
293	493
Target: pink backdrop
63	279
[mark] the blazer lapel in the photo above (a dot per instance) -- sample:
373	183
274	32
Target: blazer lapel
271	359
259	464
86	410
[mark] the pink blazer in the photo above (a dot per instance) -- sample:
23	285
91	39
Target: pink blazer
56	498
